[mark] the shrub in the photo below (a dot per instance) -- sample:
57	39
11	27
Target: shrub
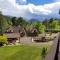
3	40
43	52
42	29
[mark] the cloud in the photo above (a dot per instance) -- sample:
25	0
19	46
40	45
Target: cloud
12	8
21	2
57	0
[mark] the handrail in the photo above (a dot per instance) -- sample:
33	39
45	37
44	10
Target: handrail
53	52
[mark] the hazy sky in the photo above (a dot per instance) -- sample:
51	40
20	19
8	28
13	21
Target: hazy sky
40	9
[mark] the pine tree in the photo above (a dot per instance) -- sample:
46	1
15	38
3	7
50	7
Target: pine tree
3	24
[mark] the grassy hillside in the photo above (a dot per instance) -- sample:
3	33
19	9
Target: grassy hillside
20	53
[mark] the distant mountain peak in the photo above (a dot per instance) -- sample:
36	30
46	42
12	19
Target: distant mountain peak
33	20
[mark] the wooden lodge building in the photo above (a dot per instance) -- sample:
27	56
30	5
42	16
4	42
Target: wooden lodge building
12	37
13	34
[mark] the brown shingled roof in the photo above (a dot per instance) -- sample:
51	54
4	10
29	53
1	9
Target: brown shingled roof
12	35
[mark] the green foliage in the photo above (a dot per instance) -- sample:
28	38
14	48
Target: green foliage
39	26
46	23
19	21
42	29
3	24
22	22
43	52
29	27
36	25
9	22
54	25
3	39
14	21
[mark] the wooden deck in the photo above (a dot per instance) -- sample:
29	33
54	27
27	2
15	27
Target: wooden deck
59	55
59	50
54	53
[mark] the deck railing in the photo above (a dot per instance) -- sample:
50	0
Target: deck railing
53	52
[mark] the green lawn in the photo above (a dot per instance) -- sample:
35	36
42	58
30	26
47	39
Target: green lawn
22	52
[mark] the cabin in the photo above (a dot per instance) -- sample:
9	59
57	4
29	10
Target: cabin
13	34
32	33
13	29
13	37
